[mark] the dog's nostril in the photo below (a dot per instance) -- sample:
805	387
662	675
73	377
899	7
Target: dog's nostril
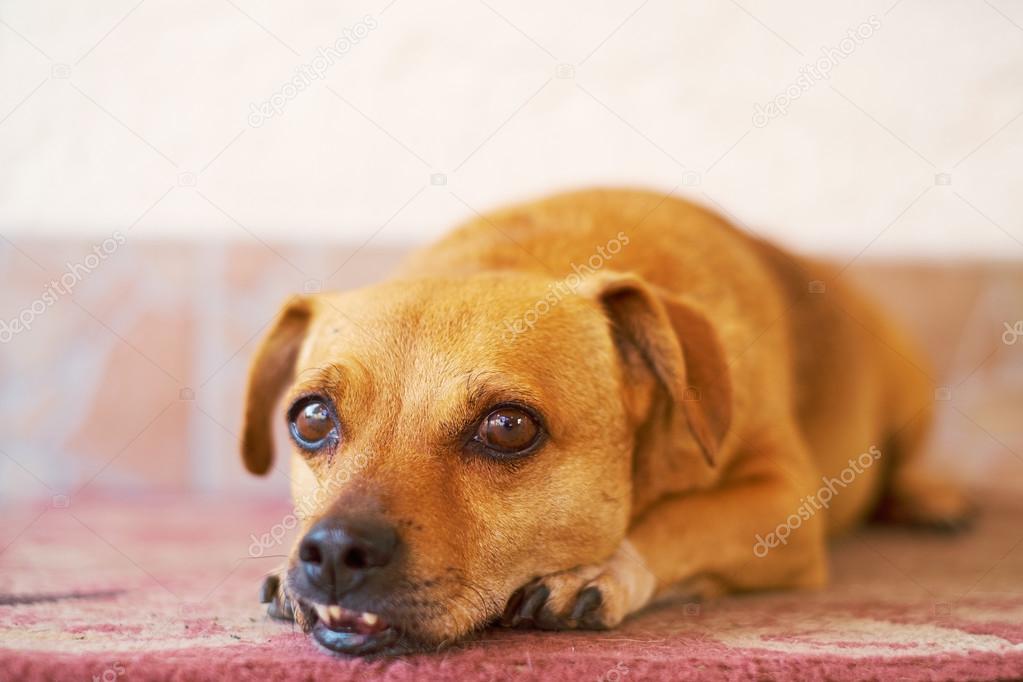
309	553
355	558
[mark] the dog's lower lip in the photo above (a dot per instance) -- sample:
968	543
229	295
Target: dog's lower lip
352	642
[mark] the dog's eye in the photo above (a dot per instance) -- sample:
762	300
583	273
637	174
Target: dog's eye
508	430
312	423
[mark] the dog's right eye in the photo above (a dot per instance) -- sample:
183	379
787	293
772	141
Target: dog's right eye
312	423
509	431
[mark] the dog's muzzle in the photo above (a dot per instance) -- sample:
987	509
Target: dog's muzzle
343	559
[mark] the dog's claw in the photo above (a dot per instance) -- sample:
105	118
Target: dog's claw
508	618
586	604
588	597
530	607
524	605
533	603
268	590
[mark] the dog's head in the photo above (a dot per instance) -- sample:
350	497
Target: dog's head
455	438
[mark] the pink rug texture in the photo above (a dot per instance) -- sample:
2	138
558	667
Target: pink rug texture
165	589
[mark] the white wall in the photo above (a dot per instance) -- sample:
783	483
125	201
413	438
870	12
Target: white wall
110	111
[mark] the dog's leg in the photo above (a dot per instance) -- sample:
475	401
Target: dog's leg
272	593
749	535
713	535
915	497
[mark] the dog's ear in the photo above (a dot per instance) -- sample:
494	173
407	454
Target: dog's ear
272	368
676	342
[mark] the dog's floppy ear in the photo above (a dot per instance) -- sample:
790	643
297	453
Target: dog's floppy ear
272	367
678	345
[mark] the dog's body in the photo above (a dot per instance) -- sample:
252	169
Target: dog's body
697	390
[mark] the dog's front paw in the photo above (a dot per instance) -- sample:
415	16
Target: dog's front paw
594	597
272	593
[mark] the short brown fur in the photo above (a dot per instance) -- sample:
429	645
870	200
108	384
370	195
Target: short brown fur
696	387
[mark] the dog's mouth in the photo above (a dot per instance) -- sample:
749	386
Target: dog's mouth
352	632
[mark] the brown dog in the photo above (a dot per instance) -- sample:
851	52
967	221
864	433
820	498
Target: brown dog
571	407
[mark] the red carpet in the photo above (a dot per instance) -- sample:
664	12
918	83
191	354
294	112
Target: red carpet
166	590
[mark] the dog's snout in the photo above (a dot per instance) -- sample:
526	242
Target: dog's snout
338	553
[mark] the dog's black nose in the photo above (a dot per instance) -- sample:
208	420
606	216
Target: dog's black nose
337	553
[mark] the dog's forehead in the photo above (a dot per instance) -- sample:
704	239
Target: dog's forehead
453	327
478	307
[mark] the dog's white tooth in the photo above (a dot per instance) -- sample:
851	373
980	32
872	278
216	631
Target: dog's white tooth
335	612
369	618
323	612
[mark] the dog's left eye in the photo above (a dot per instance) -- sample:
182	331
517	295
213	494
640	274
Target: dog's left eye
312	423
508	430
